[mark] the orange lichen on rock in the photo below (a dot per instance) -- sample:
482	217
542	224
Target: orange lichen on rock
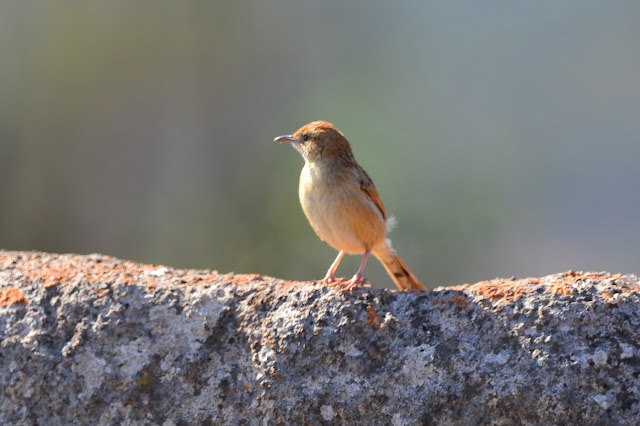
457	299
96	270
241	278
560	288
65	269
606	295
507	290
52	276
288	284
373	317
572	276
6	261
510	290
11	295
197	277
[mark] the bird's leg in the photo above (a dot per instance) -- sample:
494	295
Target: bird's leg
330	277
358	276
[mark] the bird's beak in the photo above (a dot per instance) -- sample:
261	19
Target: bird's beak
285	138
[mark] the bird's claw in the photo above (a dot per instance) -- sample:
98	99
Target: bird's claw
331	281
352	283
343	283
338	282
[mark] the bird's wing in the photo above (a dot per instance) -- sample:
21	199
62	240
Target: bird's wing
369	189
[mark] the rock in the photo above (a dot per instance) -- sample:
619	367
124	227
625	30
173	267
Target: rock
97	340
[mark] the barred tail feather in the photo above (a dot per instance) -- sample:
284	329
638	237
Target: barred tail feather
398	270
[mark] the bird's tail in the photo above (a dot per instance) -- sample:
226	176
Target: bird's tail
397	269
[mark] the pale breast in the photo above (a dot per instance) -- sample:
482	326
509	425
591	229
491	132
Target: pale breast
339	212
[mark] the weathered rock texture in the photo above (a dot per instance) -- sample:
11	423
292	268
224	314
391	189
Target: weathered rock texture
96	340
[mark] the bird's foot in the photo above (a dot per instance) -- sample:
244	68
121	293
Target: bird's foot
338	282
352	283
331	281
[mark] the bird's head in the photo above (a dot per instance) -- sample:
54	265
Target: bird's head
319	141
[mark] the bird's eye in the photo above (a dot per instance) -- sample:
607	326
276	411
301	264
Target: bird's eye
305	137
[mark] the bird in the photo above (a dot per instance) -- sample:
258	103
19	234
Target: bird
343	206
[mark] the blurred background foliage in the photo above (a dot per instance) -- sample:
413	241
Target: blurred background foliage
504	136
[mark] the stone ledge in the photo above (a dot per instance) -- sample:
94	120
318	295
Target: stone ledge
93	339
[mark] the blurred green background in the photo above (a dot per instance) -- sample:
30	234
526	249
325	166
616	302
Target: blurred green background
504	136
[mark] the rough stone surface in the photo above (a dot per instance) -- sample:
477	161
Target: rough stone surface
97	340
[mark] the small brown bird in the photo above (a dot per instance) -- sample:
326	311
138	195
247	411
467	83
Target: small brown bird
343	205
